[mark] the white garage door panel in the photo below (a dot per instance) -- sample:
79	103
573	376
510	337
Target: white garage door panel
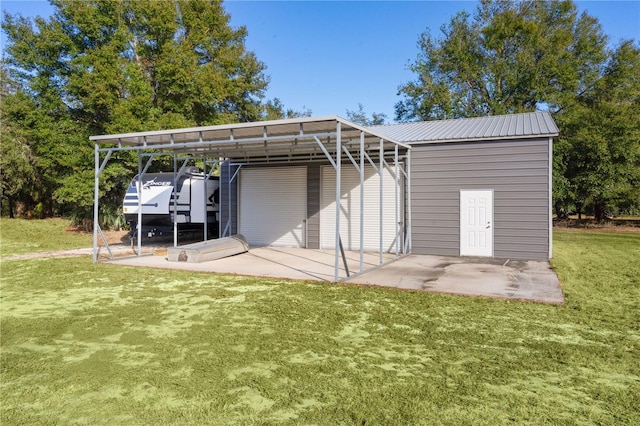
273	206
350	209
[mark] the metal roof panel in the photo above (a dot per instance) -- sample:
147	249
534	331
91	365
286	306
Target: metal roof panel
472	129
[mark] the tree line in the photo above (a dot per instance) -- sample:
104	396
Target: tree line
115	66
513	57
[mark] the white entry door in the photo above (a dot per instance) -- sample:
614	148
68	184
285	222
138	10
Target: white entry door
476	223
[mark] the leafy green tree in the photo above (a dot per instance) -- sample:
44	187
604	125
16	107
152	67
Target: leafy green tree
510	57
599	146
16	158
513	57
274	109
38	149
110	66
360	117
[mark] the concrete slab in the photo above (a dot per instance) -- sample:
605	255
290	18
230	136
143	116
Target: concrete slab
488	277
274	262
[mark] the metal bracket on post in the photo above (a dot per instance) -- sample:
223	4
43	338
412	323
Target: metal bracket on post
353	161
104	240
389	169
374	165
146	166
213	163
96	195
182	169
104	162
226	227
326	153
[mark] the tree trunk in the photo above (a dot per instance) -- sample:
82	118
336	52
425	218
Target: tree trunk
560	212
598	212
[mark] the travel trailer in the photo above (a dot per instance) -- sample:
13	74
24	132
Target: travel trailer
192	204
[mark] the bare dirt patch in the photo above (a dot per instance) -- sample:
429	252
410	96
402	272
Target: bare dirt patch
113	237
117	237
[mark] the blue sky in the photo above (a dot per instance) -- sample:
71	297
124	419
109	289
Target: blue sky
328	56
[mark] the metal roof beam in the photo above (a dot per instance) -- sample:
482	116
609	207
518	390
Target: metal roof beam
219	127
231	142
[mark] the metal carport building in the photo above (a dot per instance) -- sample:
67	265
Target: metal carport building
310	182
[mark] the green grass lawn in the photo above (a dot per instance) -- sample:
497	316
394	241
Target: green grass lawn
103	344
18	236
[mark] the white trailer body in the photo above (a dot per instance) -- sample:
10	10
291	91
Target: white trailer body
192	205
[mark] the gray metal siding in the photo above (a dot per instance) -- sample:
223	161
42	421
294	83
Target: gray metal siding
313	206
228	198
517	171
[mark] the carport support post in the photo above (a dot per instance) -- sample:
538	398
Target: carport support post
204	182
96	195
398	236
96	202
229	199
338	178
139	202
207	177
175	199
407	244
361	202
380	173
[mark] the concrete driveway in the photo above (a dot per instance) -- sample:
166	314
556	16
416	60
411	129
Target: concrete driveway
498	278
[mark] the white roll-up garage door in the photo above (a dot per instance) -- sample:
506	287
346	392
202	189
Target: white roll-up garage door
273	206
350	209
